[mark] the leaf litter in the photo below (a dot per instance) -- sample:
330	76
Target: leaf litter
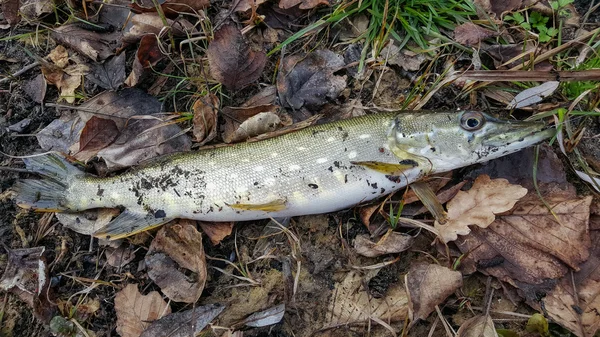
521	243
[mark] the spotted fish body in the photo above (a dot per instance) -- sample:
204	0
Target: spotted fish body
319	169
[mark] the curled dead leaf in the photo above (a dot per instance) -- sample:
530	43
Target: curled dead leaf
470	34
245	122
178	245
184	324
147	56
391	242
478	206
151	23
135	312
428	285
478	326
205	118
91	44
231	60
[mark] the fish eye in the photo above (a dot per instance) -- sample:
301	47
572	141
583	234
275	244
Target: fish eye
472	120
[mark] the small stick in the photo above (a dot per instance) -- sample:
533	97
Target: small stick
20	72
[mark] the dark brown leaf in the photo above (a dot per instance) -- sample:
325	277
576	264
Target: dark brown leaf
428	285
304	4
231	60
184	324
109	75
244	5
147	56
470	34
498	7
36	88
10	8
178	246
309	81
97	134
91	44
171	8
205	118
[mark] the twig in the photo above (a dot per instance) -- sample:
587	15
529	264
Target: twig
20	72
534	75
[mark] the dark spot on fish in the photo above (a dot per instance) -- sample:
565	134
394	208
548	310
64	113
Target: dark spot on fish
316	132
409	162
345	179
381	150
344	136
160	214
146	184
313	186
382	190
395	179
330	168
374	185
432	149
100	191
336	164
256	183
174	190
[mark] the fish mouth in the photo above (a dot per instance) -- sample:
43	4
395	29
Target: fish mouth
521	134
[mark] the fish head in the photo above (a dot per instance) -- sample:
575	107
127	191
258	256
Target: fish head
446	141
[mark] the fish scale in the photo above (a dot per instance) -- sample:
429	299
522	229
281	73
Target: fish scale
318	169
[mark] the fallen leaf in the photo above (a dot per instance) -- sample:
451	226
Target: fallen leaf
120	256
26	275
151	23
91	44
408	60
429	285
498	7
578	311
205	110
478	206
308	81
533	95
135	312
36	88
60	134
245	5
478	326
279	18
266	317
33	9
59	56
528	245
470	34
10	9
109	75
231	60
266	96
184	324
392	242
178	246
304	4
147	56
245	122
97	134
352	304
216	231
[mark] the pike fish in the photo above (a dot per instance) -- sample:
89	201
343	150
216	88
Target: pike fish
319	169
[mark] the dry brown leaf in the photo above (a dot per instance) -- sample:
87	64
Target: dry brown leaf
151	23
178	246
309	81
579	312
478	206
10	8
528	245
36	88
91	44
428	285
216	231
470	34
231	60
97	134
244	5
135	312
266	96
245	122
147	56
171	8
497	7
304	4
408	60
67	86
184	324
352	304
59	56
120	256
478	326
32	9
205	118
391	242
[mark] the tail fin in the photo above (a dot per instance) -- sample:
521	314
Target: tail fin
46	194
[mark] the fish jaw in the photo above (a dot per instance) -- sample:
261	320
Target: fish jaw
441	142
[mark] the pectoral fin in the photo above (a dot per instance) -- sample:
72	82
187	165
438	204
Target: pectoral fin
387	168
273	206
129	223
430	201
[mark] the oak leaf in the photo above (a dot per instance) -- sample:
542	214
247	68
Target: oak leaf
135	311
478	206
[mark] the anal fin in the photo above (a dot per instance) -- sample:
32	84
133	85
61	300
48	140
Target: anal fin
430	201
390	169
130	223
272	206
